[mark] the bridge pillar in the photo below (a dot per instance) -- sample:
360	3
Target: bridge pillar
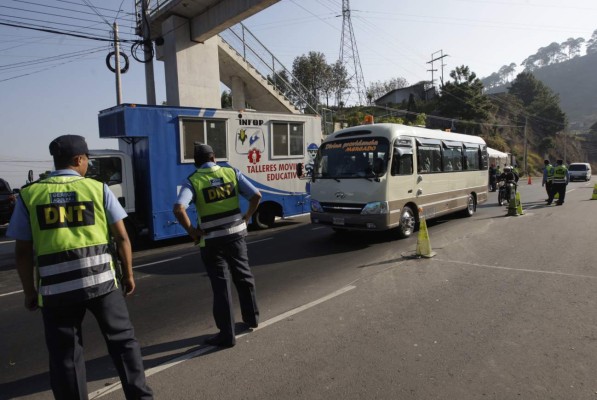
191	69
238	93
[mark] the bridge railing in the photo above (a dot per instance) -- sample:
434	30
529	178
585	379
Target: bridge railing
239	38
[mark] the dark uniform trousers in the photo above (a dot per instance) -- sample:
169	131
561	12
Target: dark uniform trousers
548	188
221	261
65	346
560	189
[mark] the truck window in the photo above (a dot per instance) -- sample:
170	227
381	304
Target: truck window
211	132
288	139
105	169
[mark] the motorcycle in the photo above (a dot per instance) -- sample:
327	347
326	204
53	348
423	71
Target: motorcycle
506	191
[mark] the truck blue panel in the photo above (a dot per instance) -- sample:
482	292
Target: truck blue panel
154	132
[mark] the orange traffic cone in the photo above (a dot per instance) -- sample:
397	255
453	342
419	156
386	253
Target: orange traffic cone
529	180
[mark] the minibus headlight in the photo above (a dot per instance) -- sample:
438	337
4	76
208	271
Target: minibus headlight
315	206
376	207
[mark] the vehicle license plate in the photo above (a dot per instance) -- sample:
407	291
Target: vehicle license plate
338	221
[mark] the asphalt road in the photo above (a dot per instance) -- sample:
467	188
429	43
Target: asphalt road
506	309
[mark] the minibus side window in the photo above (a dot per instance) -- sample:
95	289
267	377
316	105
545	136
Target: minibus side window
429	158
402	162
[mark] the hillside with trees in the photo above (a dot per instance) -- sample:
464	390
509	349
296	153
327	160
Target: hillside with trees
562	68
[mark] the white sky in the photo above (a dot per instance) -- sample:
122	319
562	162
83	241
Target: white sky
395	38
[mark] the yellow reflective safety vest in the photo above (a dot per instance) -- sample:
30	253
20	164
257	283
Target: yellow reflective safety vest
559	174
550	171
70	239
218	205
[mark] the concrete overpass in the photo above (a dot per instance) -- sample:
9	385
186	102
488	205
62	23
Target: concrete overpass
196	60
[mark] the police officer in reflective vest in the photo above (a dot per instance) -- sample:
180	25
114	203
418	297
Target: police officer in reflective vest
220	233
560	181
62	226
547	177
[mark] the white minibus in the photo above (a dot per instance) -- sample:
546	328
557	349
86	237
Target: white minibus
384	176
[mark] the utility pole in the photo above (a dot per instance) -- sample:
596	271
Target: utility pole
148	54
525	144
434	58
565	146
117	65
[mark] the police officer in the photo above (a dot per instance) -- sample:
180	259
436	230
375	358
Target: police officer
547	177
62	226
221	232
560	181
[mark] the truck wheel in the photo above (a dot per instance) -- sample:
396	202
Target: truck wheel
407	222
264	217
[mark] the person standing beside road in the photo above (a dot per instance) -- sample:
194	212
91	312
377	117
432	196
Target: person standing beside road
547	177
560	181
220	233
62	226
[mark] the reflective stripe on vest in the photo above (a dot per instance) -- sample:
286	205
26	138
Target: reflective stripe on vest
69	286
217	203
226	231
81	263
70	239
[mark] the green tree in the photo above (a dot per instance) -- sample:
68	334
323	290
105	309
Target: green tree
463	97
573	46
592	43
336	81
310	73
226	99
530	63
380	88
540	103
506	71
282	83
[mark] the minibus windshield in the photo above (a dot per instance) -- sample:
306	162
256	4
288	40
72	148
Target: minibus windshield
352	158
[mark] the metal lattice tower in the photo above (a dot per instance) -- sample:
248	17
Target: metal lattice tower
349	57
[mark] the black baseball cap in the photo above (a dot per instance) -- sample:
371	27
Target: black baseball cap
201	149
68	146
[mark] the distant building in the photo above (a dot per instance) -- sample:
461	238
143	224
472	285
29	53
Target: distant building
420	91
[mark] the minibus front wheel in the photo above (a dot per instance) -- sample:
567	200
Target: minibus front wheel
408	222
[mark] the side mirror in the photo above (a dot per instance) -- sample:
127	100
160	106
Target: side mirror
299	170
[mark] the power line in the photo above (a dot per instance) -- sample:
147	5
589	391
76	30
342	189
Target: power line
51	58
78	11
52	14
67	33
45	69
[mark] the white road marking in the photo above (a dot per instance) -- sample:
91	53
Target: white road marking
537	271
157	262
204	349
260	240
8	294
8	242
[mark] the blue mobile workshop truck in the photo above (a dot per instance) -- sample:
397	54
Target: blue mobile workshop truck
155	155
